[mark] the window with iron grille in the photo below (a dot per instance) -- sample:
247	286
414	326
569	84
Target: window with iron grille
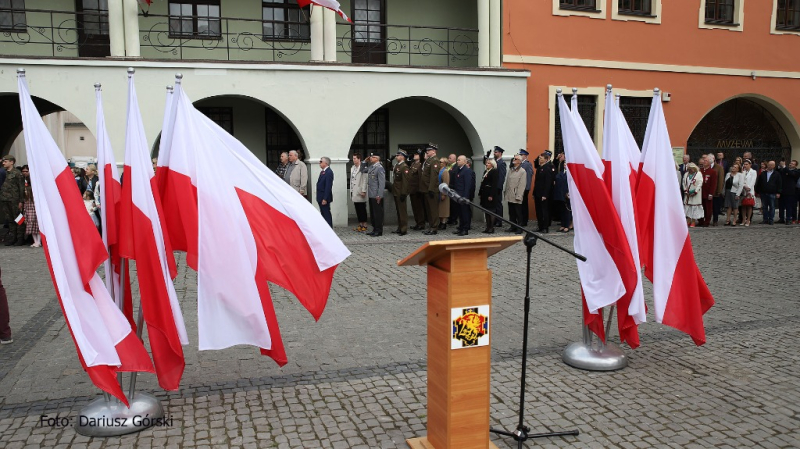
94	17
586	5
221	116
788	17
720	11
281	137
195	18
12	15
367	17
636	111
284	19
635	7
373	137
587	107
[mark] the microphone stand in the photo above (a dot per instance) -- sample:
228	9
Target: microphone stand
521	433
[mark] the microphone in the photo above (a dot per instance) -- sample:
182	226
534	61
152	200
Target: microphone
445	190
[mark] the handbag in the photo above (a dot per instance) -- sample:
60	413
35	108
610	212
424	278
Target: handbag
749	200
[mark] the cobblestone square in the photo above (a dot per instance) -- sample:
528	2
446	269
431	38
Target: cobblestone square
357	378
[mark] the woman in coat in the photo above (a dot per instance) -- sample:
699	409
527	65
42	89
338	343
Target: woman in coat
748	191
444	200
693	195
734	182
515	189
489	192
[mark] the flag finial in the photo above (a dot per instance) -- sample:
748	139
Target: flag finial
617	96
559	91
97	86
574	91
178	78
21	72
656	91
131	71
608	87
170	89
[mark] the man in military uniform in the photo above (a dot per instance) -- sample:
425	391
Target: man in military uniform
12	194
526	165
417	198
429	184
543	189
376	183
400	185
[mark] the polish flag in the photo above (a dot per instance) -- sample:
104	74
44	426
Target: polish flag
330	4
20	219
141	239
251	229
609	271
680	294
104	339
109	214
620	154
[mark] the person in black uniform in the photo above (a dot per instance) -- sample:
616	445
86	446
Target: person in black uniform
489	192
543	189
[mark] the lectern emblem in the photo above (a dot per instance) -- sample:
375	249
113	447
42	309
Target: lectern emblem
470	327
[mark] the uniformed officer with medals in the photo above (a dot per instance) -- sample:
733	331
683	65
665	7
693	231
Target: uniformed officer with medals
400	189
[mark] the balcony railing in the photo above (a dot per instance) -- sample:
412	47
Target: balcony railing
56	33
410	45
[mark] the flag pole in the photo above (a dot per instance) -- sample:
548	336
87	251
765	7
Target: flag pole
582	354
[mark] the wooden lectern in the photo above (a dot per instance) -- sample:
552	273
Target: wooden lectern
459	336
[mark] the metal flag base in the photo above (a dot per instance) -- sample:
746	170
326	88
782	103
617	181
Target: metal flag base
102	418
598	357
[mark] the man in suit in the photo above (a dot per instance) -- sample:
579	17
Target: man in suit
769	185
543	189
502	169
682	168
376	183
528	167
464	185
325	189
789	176
400	187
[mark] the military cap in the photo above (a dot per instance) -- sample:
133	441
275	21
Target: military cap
523	152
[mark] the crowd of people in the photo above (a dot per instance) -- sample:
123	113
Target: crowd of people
717	187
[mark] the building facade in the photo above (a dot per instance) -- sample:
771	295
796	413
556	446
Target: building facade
277	77
728	69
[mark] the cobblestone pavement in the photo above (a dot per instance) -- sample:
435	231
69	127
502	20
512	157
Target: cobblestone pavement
357	377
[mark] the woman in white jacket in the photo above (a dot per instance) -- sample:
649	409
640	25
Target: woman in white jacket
693	194
358	193
734	183
748	192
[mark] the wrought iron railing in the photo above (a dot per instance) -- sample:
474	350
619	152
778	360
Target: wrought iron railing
231	39
409	45
55	33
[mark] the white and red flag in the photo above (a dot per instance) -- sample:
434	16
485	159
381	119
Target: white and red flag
19	219
104	339
110	195
330	4
620	156
251	229
680	294
609	271
142	239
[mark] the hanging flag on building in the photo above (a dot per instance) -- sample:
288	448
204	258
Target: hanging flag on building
110	195
142	239
105	341
242	213
680	294
620	177
609	271
330	4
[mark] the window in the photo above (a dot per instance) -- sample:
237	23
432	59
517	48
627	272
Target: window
221	116
94	17
195	18
367	21
636	7
280	137
636	111
590	5
284	19
587	108
788	15
12	15
373	137
719	11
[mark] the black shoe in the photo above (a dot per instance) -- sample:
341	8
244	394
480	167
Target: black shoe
510	229
396	231
462	233
457	231
485	231
518	231
9	243
442	226
780	222
376	234
20	242
430	232
402	233
371	233
490	231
